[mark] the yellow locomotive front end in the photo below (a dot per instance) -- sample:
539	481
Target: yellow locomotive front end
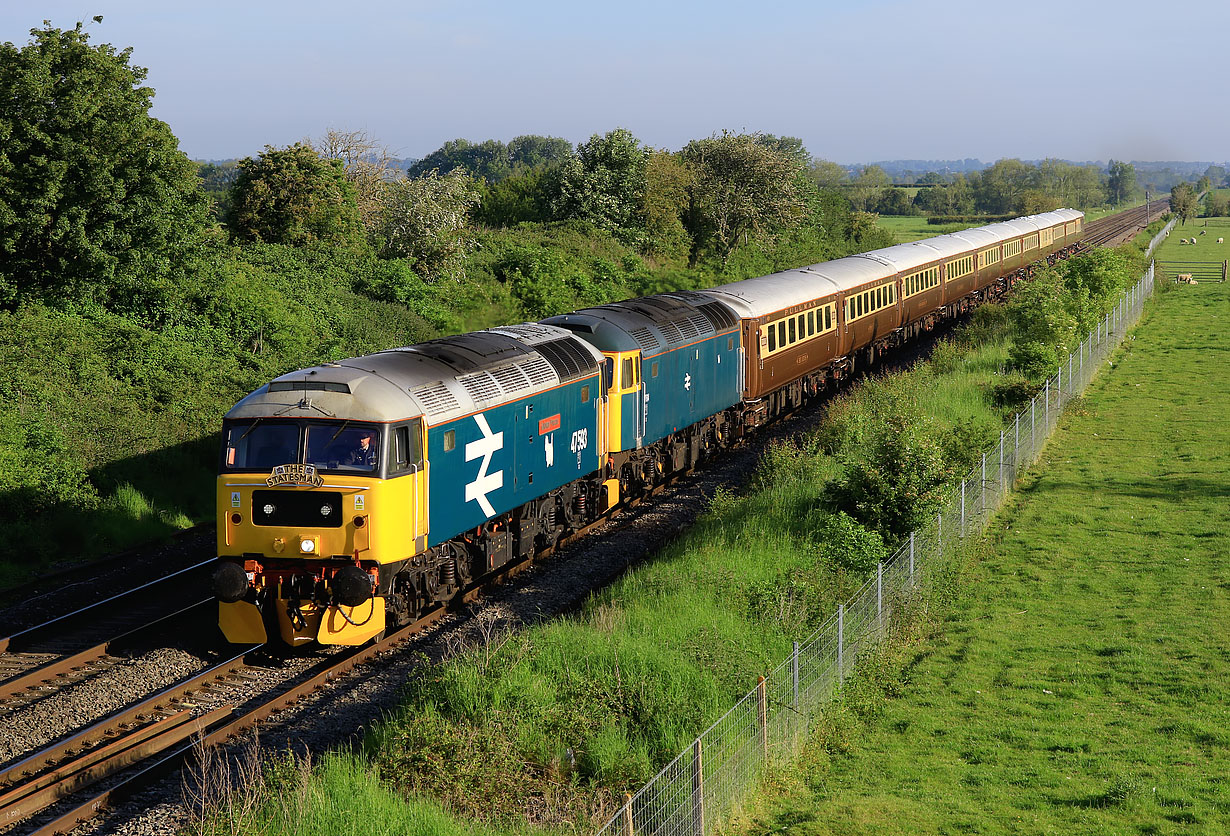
313	513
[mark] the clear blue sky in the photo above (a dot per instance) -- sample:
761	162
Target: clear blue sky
857	80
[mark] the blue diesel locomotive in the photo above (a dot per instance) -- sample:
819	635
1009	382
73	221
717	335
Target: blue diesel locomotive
353	496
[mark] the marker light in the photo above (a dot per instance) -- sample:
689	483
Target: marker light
307	546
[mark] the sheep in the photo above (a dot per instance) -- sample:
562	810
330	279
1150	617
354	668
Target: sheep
1219	240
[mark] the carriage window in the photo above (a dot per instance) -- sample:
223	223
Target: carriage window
828	318
811	323
781	334
772	338
792	335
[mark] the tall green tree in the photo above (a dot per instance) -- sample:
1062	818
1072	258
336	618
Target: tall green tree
96	200
740	189
294	196
1121	181
999	189
868	188
663	206
1183	201
426	220
604	183
825	174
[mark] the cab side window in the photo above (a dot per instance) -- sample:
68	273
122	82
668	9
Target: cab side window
625	378
405	449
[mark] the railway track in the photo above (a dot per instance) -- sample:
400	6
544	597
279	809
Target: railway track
1115	229
39	661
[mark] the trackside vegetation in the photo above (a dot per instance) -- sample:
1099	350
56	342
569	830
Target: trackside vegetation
555	723
1080	683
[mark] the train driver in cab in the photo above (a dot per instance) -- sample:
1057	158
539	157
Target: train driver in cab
364	453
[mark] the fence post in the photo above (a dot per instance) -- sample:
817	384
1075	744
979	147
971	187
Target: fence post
628	814
1059	382
911	558
698	791
1033	441
841	643
762	700
1016	446
1001	462
880	597
962	507
1048	405
1069	375
794	675
982	494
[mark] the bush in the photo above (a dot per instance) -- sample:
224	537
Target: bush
850	545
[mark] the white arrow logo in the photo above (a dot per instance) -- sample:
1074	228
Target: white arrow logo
485	482
687	381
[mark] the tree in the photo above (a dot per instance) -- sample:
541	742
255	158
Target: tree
1121	181
1036	201
425	220
868	188
368	166
1183	201
932	178
740	188
826	175
604	183
525	196
532	151
998	190
665	201
96	200
790	146
1203	185
896	202
294	196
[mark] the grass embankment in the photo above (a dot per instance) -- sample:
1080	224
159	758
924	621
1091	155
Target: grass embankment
1083	685
556	722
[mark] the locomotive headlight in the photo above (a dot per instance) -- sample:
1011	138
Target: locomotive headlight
307	546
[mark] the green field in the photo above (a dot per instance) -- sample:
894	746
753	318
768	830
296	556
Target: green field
1206	231
1083	685
914	227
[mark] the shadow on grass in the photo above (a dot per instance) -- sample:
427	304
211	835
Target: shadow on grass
143	498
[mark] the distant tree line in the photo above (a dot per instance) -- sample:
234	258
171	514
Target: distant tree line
702	202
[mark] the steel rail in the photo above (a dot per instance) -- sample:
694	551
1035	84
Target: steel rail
64	667
31	633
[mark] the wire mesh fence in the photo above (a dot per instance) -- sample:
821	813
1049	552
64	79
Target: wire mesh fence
696	791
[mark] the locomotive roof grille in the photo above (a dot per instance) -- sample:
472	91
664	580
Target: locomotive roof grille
569	360
309	386
481	386
645	339
672	333
719	315
436	398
